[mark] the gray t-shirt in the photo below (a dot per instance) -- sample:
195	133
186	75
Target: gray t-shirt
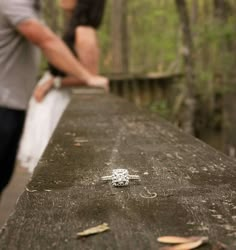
18	57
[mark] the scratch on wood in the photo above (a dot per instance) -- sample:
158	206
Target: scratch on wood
148	195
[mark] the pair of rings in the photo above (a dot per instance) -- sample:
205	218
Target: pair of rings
120	177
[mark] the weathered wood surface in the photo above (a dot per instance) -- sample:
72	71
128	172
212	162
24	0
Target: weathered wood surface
187	188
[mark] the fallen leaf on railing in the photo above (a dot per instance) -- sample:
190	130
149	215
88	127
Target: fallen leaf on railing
188	245
177	239
30	191
94	230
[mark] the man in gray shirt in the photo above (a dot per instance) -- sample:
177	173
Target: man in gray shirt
21	33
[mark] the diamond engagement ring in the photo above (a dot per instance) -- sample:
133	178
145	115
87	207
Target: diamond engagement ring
120	177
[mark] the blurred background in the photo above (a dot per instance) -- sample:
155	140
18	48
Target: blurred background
175	57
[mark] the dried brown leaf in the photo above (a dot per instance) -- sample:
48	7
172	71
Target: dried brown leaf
188	245
77	144
30	191
94	230
177	239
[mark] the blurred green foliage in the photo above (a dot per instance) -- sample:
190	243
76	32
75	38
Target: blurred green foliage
153	33
155	45
162	107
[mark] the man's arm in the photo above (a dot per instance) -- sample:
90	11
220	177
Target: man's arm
69	81
57	52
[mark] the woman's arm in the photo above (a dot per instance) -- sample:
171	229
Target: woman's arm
87	48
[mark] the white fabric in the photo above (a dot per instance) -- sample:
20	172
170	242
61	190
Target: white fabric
41	121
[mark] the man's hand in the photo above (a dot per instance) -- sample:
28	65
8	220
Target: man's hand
99	82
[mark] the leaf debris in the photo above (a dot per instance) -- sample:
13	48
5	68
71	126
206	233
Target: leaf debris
30	191
185	242
94	230
177	239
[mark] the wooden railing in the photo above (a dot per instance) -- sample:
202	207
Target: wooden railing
143	89
186	187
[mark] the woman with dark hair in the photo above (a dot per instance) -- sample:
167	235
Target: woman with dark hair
85	17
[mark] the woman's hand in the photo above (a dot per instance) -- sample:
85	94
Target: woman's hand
41	90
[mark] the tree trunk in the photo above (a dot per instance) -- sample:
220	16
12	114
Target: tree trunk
195	10
52	21
190	103
119	36
222	11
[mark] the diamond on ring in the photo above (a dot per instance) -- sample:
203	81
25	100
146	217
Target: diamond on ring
120	177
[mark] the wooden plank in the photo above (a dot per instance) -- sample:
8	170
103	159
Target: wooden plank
145	92
136	91
114	87
127	89
187	188
156	91
143	77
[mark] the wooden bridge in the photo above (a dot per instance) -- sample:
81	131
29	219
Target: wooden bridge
144	89
187	188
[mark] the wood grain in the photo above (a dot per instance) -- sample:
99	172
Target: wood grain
187	188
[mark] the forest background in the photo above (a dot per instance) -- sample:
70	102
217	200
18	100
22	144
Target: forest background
195	38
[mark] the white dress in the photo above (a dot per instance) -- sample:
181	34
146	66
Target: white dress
41	121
